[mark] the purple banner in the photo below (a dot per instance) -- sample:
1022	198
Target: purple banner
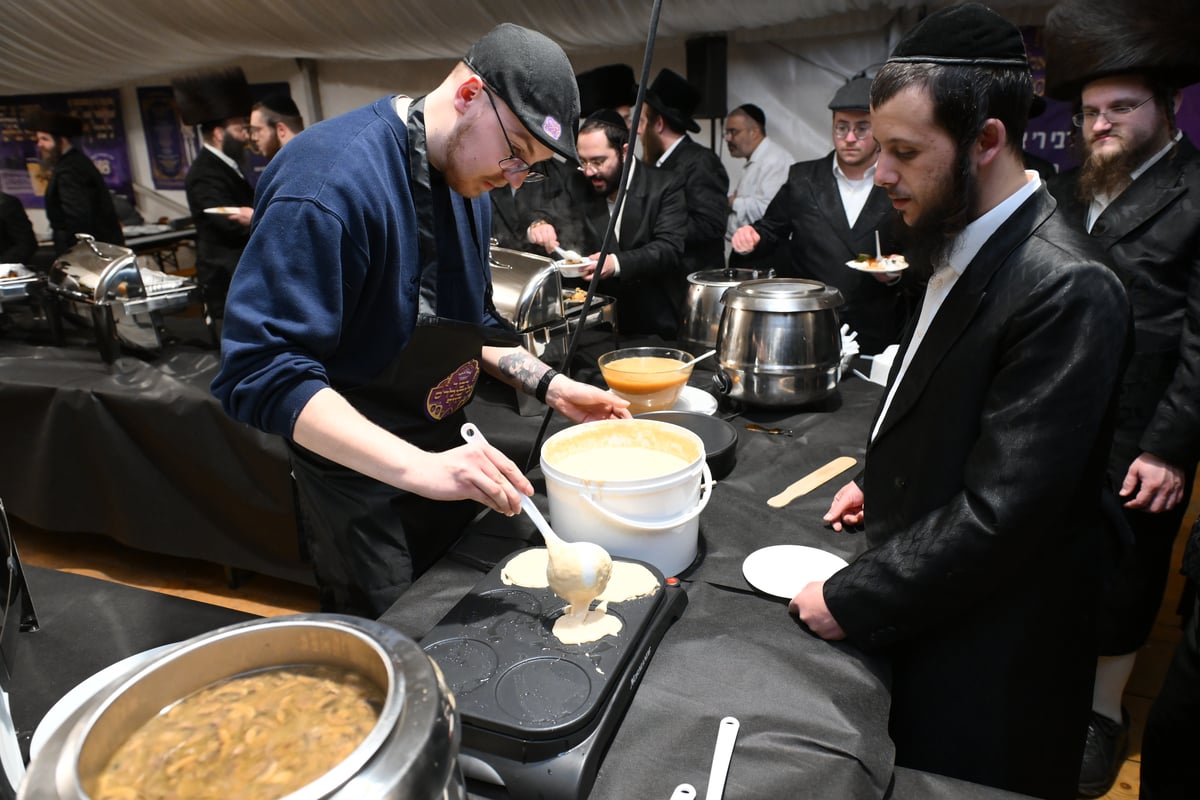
1052	135
103	141
164	136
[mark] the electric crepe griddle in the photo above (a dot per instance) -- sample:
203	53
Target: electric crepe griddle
537	714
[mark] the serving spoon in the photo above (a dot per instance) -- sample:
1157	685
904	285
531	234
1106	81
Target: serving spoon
576	571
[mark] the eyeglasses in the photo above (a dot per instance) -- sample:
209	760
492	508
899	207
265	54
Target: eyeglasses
732	132
594	164
1112	116
861	131
512	165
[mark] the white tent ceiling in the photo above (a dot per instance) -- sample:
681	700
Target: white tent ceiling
74	45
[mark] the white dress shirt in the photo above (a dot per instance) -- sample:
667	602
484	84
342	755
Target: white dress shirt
667	153
965	247
766	171
854	191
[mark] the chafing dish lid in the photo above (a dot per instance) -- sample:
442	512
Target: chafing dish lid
526	288
98	269
782	295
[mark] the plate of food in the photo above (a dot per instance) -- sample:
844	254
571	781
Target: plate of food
572	267
866	263
783	570
225	210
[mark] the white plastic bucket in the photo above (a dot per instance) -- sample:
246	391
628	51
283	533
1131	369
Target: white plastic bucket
653	519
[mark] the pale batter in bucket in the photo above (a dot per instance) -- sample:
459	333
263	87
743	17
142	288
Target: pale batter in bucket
627	582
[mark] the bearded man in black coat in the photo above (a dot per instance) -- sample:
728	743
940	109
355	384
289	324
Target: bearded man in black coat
219	197
1137	193
77	198
985	464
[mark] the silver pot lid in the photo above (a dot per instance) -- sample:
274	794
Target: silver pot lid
785	295
724	277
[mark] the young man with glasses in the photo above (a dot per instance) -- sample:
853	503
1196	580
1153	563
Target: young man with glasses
360	316
644	270
828	212
1137	193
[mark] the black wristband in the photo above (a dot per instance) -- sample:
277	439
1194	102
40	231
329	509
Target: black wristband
544	385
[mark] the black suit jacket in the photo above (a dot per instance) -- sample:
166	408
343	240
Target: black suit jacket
983	492
78	201
706	188
1151	234
219	240
807	214
653	281
17	240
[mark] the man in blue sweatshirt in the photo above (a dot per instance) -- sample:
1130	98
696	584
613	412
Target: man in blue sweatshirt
360	315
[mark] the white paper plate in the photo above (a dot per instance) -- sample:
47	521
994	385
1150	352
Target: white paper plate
571	270
696	400
783	569
70	702
862	266
226	210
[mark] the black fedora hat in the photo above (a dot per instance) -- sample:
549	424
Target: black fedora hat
675	99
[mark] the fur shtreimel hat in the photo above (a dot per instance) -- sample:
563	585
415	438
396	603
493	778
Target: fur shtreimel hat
214	96
52	123
606	87
1086	40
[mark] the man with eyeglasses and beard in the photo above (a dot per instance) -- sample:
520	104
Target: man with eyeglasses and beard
274	121
361	314
217	103
644	270
1137	193
985	463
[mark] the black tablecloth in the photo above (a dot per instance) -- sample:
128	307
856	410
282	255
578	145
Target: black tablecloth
812	713
139	450
86	625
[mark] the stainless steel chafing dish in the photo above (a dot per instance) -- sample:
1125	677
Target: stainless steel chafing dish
102	284
527	290
15	280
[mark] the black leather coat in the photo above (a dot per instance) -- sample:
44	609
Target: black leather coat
983	492
1151	234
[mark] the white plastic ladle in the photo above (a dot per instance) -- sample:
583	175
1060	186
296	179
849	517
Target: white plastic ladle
727	733
577	571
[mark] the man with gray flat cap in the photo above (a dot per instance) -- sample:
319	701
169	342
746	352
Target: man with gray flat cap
361	315
982	490
827	213
1137	194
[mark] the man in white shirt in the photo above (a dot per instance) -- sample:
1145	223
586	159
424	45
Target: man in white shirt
985	468
766	169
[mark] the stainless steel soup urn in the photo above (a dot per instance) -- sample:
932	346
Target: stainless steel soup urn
779	342
702	305
411	752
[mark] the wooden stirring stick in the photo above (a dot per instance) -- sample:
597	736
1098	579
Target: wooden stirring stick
812	480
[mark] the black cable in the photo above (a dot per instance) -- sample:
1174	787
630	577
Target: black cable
626	166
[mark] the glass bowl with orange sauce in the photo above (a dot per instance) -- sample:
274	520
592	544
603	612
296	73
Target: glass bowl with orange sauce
650	378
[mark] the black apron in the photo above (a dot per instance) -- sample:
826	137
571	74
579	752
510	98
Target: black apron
367	540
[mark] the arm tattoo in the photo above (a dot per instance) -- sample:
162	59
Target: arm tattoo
522	368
